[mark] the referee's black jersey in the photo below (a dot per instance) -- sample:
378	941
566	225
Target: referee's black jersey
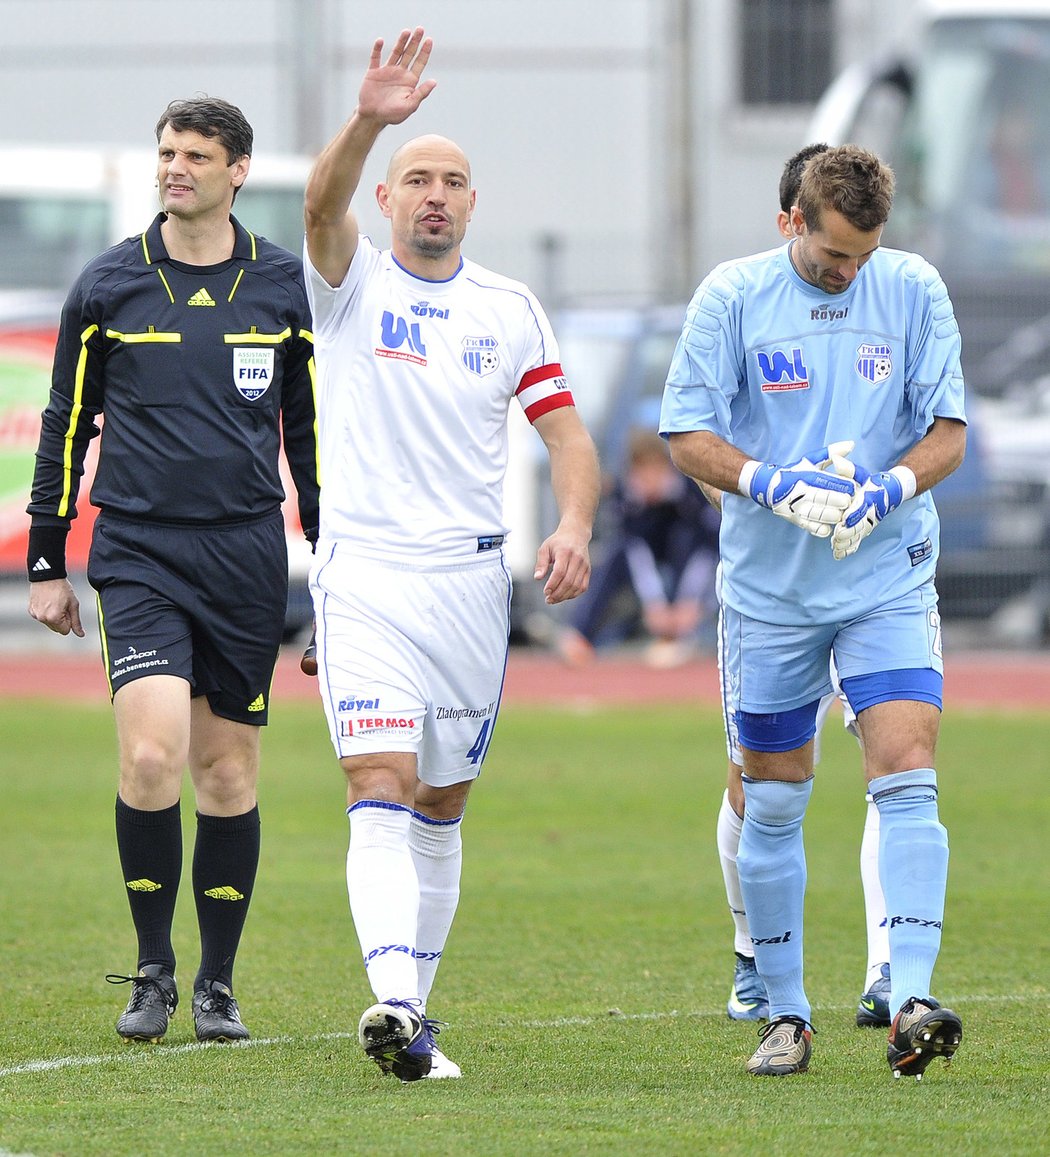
195	369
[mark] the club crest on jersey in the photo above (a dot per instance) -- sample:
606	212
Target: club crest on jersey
874	363
252	371
783	371
479	355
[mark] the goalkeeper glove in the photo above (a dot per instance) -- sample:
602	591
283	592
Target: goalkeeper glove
877	495
807	492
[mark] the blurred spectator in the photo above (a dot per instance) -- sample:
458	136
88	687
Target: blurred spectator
657	571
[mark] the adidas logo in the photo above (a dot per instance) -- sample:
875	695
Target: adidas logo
258	704
41	564
142	886
201	297
225	892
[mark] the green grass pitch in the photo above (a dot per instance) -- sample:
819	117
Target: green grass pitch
585	980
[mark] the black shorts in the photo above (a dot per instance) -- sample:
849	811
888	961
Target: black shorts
206	604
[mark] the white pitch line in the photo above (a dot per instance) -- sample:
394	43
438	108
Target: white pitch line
133	1055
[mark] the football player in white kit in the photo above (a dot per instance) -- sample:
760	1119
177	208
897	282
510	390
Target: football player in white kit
420	354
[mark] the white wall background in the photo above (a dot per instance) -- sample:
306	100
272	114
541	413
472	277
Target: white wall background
570	110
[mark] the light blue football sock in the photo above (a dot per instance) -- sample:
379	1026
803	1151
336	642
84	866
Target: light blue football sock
771	864
913	868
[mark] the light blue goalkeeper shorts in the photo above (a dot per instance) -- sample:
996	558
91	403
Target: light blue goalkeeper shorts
775	669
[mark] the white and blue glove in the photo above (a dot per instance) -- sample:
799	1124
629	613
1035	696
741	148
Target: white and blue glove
814	492
877	495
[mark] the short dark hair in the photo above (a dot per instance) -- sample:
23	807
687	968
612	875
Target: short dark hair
791	177
210	117
851	181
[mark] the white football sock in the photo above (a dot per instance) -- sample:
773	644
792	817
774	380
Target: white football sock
874	902
384	896
437	853
728	837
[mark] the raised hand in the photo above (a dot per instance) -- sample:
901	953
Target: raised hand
391	92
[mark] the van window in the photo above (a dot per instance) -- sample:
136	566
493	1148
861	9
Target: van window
47	239
273	213
973	156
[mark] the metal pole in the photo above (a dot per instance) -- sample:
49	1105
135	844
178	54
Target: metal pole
308	52
676	231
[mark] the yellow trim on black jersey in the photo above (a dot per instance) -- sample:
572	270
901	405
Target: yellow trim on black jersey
240	274
138	338
256	338
171	296
74	419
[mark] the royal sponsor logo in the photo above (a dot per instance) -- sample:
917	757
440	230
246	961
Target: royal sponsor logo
918	921
425	309
386	949
783	370
352	704
826	313
782	939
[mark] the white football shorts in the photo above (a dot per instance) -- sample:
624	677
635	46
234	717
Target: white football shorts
412	658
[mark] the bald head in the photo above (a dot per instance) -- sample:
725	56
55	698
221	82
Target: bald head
428	198
430	151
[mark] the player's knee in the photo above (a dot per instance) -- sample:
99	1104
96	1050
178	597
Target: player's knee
386	776
776	804
148	760
226	786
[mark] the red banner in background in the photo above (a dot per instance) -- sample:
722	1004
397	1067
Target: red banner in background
26	354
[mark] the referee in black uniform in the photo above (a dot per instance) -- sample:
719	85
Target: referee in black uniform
192	341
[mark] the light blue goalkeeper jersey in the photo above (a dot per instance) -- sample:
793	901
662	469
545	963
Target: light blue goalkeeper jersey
779	368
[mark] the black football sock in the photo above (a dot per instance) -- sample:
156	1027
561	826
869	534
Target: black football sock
149	845
225	862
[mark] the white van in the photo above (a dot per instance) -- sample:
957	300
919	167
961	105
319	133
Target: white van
964	119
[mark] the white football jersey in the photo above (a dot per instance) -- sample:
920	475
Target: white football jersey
415	381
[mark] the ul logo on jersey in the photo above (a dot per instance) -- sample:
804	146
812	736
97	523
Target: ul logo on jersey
479	355
401	339
874	363
783	371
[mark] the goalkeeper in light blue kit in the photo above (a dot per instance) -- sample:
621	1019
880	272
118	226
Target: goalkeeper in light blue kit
819	386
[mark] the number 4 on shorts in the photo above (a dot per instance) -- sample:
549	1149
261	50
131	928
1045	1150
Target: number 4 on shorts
477	752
